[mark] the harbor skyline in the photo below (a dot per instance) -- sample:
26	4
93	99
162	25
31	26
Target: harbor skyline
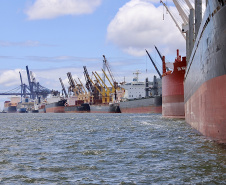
53	39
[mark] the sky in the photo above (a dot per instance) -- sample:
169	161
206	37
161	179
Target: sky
54	37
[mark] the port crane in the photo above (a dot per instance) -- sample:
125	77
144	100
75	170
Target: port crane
78	87
109	71
23	86
88	85
113	90
34	89
115	84
107	90
72	86
102	93
85	94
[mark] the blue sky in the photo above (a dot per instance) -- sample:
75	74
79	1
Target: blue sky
54	38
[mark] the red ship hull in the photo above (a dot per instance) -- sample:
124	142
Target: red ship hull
205	77
205	110
56	107
173	90
55	110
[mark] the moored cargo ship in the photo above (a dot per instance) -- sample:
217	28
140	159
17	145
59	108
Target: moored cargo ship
173	89
76	106
146	105
99	108
142	97
205	77
56	107
11	106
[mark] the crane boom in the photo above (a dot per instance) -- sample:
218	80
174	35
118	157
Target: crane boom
82	86
88	85
108	68
181	12
21	85
160	55
173	19
63	88
189	4
103	89
106	91
79	88
95	85
21	79
99	83
102	81
108	79
113	90
72	83
31	85
154	65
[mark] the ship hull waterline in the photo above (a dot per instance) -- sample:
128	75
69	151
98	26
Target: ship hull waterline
205	77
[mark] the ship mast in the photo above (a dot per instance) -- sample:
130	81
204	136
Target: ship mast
136	73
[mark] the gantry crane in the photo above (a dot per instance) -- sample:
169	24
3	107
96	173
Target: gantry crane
23	87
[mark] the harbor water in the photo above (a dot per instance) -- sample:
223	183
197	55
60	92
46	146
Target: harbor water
106	149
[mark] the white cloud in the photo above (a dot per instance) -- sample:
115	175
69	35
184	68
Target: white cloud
139	25
10	77
48	9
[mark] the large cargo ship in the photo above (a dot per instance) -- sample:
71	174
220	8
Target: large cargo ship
142	97
56	107
205	77
83	108
99	108
27	105
74	105
11	106
144	105
173	89
54	104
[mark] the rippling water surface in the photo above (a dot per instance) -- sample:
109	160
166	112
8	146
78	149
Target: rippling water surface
106	149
